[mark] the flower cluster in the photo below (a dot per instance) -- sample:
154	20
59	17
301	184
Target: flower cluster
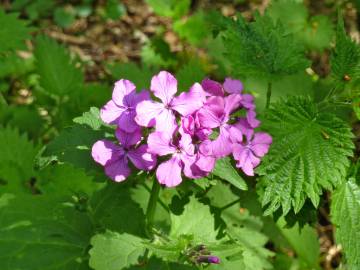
187	132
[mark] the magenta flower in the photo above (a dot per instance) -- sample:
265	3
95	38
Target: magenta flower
216	114
162	114
183	157
248	154
115	157
120	110
232	86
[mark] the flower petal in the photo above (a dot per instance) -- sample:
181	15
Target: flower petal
191	170
164	86
247	101
186	144
159	143
232	102
141	158
127	122
169	172
134	98
261	143
233	86
222	145
247	161
212	113
251	118
166	122
104	152
128	139
147	111
212	87
118	170
205	163
122	88
189	102
111	113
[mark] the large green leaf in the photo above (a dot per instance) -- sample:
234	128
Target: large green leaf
40	232
196	221
13	32
17	155
345	212
58	74
114	251
170	8
310	152
226	171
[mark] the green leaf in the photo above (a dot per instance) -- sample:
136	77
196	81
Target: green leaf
13	32
196	221
114	209
64	16
262	48
58	74
345	58
345	212
90	118
305	243
114	251
189	74
17	155
65	180
194	29
156	53
40	232
170	8
226	171
310	152
139	75
114	9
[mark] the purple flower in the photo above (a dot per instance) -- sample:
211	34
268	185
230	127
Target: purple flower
216	114
248	154
183	157
162	114
232	86
208	259
115	157
120	110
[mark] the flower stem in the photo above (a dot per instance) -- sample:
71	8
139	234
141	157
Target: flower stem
268	94
150	211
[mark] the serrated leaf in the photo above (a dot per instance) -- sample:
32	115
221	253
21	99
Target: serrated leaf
194	29
13	32
189	74
17	155
262	48
114	251
345	212
226	171
90	118
39	232
170	8
310	152
345	58
58	74
65	180
196	220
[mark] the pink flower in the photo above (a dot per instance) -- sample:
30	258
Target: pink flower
120	110
162	114
183	157
248	154
115	157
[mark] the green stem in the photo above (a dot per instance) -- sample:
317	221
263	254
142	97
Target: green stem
150	211
268	94
229	205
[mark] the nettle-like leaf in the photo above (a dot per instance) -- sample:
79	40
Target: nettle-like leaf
13	32
345	212
90	118
310	152
345	58
190	73
58	74
262	48
40	232
17	155
114	251
225	170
